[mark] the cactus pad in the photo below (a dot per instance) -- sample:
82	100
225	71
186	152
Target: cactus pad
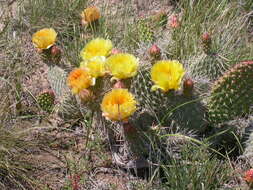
231	95
46	100
57	79
173	108
145	32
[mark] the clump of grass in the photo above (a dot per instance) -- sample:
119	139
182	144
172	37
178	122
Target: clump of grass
196	169
224	20
15	170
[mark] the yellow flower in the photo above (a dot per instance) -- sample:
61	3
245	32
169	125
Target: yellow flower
78	80
122	65
90	14
45	38
95	66
96	47
167	75
118	104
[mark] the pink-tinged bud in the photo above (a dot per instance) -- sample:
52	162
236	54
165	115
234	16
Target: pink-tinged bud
174	21
129	129
247	62
115	51
206	37
55	51
249	176
188	86
86	95
119	84
155	52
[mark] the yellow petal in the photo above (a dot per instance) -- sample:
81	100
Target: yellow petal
90	14
118	104
45	38
95	66
78	80
96	47
167	75
122	65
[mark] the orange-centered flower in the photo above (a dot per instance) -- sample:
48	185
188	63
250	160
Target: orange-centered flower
45	38
118	104
78	80
90	14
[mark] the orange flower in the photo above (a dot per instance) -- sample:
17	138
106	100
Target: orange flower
90	14
44	39
78	80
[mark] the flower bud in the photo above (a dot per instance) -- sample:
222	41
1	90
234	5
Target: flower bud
174	21
119	84
206	37
188	86
55	51
115	51
155	52
249	176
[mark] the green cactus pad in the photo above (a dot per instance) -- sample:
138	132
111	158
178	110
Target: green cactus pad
209	66
173	108
67	106
145	32
46	101
141	87
232	94
57	79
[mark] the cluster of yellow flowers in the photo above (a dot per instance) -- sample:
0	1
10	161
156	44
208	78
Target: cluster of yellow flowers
98	60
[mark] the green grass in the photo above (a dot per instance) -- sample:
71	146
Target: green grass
180	158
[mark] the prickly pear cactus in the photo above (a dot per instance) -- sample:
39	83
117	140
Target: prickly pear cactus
232	95
206	43
145	32
208	66
171	108
141	87
67	105
46	101
57	79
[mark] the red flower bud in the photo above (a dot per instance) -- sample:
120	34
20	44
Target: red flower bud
115	51
155	52
206	37
249	176
174	21
119	84
188	86
55	51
